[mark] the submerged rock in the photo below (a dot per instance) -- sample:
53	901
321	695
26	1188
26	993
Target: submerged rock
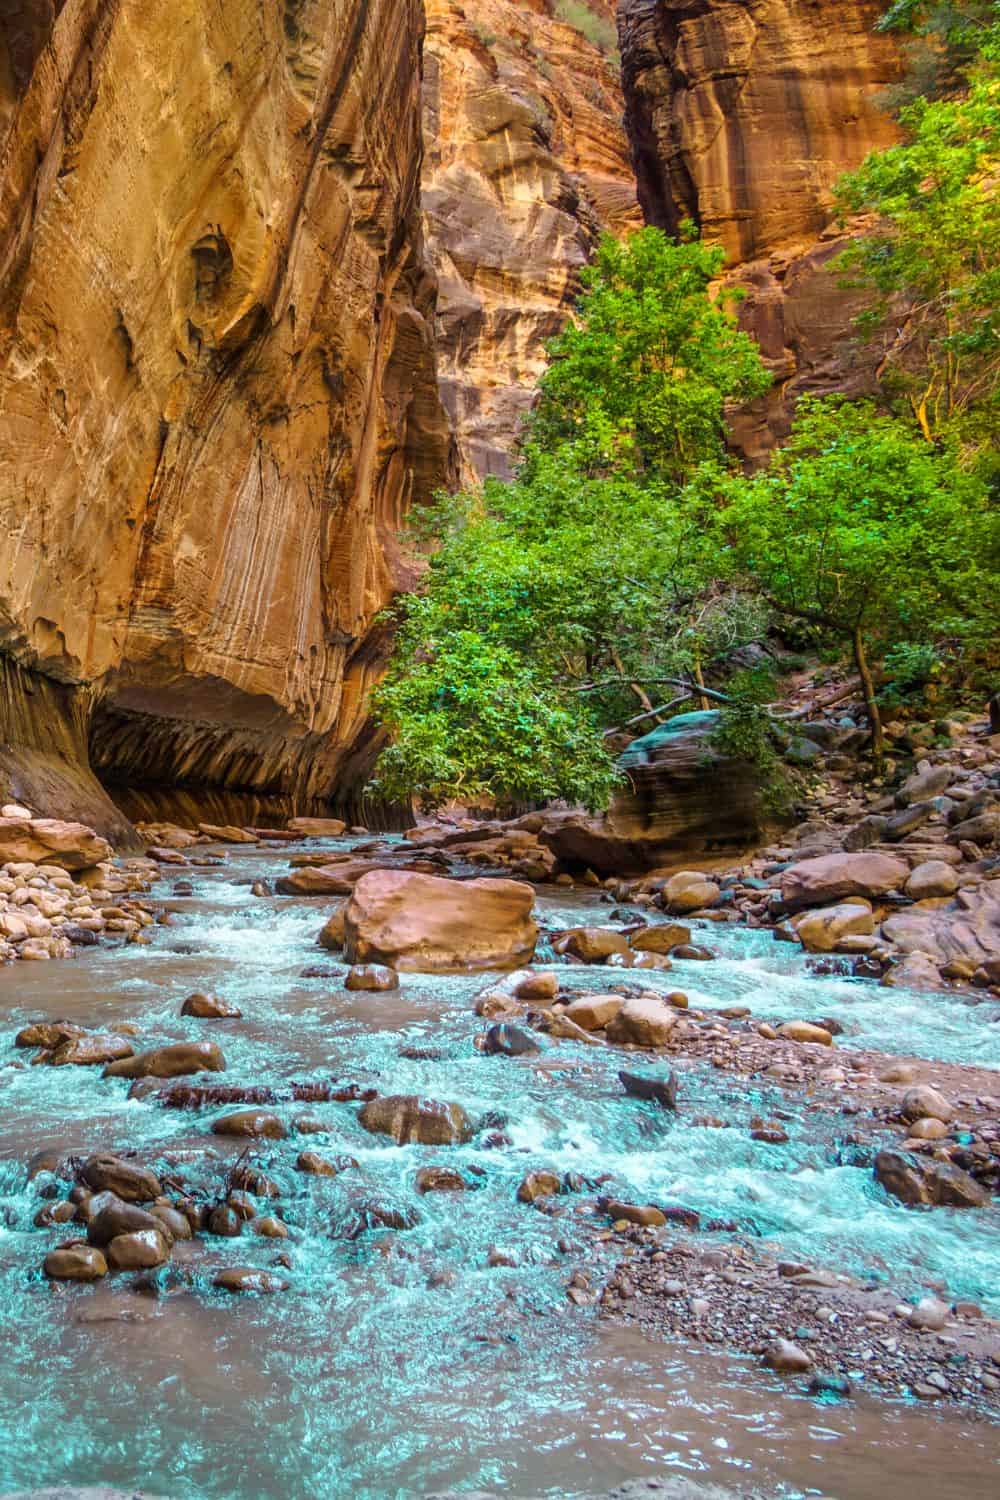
507	1041
412	1120
918	1180
252	1123
591	945
77	1262
376	977
249	1279
662	1091
210	1007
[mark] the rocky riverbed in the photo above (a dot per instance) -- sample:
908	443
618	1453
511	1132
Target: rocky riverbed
476	1307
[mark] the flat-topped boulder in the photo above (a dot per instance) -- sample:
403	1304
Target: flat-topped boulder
832	877
49	841
427	924
179	1060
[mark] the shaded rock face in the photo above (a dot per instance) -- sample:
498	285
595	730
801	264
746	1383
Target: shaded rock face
681	798
742	115
526	161
217	383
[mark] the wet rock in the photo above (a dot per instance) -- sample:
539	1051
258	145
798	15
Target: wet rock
179	1060
110	1216
805	1031
644	1022
315	1165
591	945
593	1012
440	1180
927	1129
646	961
661	938
376	977
412	1120
827	1383
539	1184
374	1213
662	1091
175	1224
270	1228
333	931
76	1262
47	1034
225	1222
107	1173
787	1358
507	1041
427	924
646	1214
689	890
89	1050
831	877
499	1255
821	931
250	1123
139	1251
210	1007
249	1279
920	1181
924	1102
539	985
692	953
243	1205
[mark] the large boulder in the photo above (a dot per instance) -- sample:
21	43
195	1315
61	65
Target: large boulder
427	924
179	1060
831	877
920	1181
411	1120
965	929
821	931
681	798
317	828
644	1021
48	841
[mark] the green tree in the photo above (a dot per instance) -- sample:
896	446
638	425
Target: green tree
865	530
553	603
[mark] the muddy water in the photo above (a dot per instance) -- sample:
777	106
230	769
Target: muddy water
398	1363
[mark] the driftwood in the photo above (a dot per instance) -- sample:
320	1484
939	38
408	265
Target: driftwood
202	1096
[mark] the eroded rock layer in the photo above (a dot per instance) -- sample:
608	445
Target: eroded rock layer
742	115
217	384
526	161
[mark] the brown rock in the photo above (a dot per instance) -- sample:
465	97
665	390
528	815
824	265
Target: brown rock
270	1228
918	1180
110	1216
411	1120
75	1263
317	828
805	1031
333	931
787	1358
923	1101
593	1012
226	833
249	1279
210	1007
47	841
660	938
90	1049
831	877
138	1251
646	1023
179	1060
592	945
689	890
106	1173
537	985
821	931
440	1180
336	879
426	924
646	1214
254	1123
539	1184
378	977
315	1165
932	878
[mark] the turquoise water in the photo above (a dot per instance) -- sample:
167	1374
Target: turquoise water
397	1363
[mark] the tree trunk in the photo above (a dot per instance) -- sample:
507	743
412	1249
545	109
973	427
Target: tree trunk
871	705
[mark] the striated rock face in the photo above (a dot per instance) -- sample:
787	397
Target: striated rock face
742	114
526	161
217	384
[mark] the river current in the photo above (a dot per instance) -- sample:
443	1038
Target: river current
401	1363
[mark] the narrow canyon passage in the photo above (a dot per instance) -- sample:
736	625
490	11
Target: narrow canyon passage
399	1361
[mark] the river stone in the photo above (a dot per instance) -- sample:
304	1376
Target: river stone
537	984
689	890
689	953
225	1222
270	1228
927	1129
110	1216
539	1184
931	879
660	938
426	924
440	1180
376	977
508	1041
831	877
593	1012
315	1165
249	1279
923	1102
821	931
317	828
89	1050
930	1313
253	1123
179	1060
645	1022
71	846
127	1181
412	1120
75	1263
210	1007
786	1357
917	1180
662	1091
176	1225
591	945
805	1031
140	1251
645	1214
48	1034
333	931
925	784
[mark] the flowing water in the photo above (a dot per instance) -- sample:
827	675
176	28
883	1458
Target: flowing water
402	1362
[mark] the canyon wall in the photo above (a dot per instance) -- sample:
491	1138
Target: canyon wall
526	162
218	394
742	114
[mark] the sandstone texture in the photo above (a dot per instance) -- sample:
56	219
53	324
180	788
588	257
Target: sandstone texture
742	116
526	161
217	387
426	924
